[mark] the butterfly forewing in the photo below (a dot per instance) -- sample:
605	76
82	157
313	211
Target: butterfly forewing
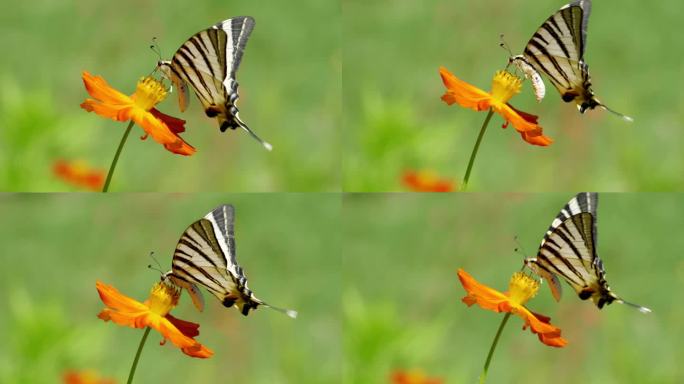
199	259
201	62
223	219
237	31
557	49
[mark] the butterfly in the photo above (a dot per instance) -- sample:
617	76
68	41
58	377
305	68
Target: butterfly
557	50
207	62
205	257
568	250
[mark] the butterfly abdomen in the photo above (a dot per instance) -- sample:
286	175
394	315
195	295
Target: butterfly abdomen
584	98
223	115
599	294
589	103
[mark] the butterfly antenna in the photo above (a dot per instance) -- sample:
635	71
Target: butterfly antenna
624	117
159	267
635	306
155	48
244	126
503	44
289	312
519	249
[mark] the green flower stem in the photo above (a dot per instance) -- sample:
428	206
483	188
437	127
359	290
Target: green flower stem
475	149
483	377
137	355
116	157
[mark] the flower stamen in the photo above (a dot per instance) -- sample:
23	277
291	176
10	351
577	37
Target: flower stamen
522	288
504	86
148	93
163	298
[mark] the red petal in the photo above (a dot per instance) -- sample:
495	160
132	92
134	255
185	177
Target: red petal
176	125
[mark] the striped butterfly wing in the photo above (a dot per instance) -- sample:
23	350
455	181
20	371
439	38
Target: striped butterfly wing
208	63
568	247
568	250
557	50
205	257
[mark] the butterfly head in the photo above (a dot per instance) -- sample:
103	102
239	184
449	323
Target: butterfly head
164	67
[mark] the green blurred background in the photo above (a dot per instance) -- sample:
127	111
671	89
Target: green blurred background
394	118
401	296
290	87
56	246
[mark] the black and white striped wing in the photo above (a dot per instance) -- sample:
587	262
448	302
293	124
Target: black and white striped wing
568	248
205	257
223	218
205	254
209	60
557	49
207	63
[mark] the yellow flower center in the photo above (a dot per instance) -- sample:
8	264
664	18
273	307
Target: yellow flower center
505	86
149	93
163	298
522	288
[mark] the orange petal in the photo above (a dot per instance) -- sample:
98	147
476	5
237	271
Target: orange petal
139	319
480	294
524	123
548	334
536	138
161	133
188	345
466	95
518	121
98	88
79	174
117	112
426	181
113	299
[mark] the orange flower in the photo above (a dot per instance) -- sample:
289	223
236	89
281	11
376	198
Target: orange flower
84	377
78	173
401	377
426	181
139	107
521	288
153	313
504	86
